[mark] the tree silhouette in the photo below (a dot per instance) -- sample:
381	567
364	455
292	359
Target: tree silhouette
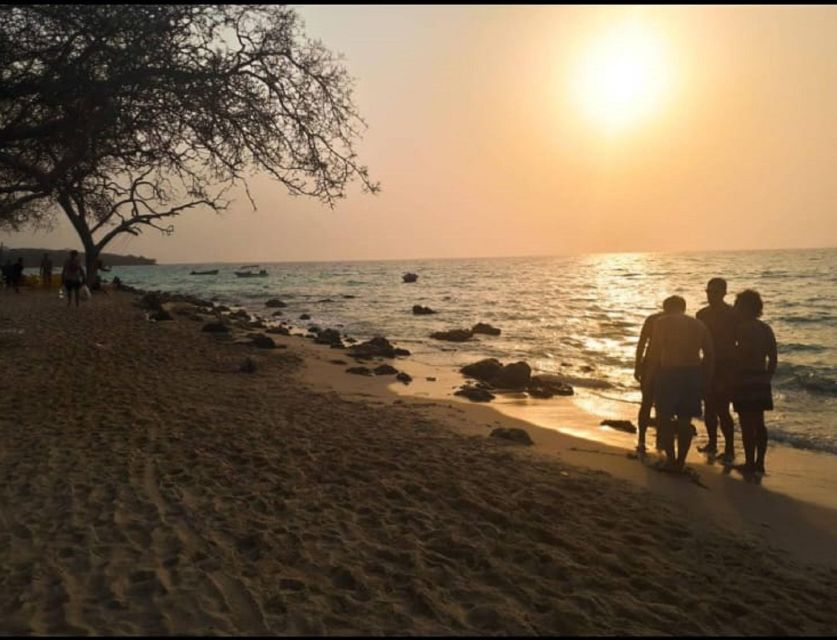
124	116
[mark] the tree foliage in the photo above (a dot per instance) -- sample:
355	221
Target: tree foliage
123	116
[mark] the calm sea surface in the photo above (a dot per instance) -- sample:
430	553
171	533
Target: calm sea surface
577	316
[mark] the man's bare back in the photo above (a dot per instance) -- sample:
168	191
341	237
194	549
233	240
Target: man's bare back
678	340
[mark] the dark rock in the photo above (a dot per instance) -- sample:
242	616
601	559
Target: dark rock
474	394
350	340
360	371
330	337
430	379
409	277
513	376
313	328
256	324
486	329
240	314
215	327
404	377
546	386
338	362
325	300
378	347
304	316
620	425
275	302
160	315
485	370
512	434
277	313
153	301
222	308
453	335
385	370
348	296
282	331
263	342
248	366
418	310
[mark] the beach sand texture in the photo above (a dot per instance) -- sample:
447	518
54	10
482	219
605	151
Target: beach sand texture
148	487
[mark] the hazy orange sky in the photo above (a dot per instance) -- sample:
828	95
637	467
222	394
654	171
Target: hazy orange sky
482	148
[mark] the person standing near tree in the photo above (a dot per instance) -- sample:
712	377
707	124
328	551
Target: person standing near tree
72	276
17	274
46	271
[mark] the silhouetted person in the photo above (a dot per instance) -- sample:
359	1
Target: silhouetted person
95	278
721	320
17	274
675	358
755	359
643	375
46	271
72	276
7	274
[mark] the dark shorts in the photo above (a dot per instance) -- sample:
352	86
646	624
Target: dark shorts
751	394
679	391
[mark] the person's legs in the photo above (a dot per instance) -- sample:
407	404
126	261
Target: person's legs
665	429
710	419
69	292
727	427
748	437
760	438
644	417
684	440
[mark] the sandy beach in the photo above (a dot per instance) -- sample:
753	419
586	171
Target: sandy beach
150	487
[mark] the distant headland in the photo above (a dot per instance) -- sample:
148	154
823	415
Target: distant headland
32	257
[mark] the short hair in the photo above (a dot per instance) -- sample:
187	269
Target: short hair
750	300
717	282
674	303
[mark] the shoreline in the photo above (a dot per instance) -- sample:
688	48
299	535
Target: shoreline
151	487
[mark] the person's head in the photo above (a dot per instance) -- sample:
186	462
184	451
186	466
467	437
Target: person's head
748	303
20	260
716	289
73	254
674	304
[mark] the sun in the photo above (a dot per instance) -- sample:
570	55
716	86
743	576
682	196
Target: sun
622	78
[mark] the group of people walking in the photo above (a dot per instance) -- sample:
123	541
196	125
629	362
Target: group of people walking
73	276
725	355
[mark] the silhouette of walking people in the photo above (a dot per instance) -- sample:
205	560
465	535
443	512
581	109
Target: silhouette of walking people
72	276
46	271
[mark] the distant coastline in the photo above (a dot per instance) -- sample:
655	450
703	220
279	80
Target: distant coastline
32	257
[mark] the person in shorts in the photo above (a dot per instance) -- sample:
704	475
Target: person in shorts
674	355
755	360
643	374
72	276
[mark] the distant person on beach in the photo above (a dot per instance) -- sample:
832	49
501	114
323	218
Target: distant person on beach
7	274
46	271
72	276
721	320
17	274
755	359
95	278
674	357
642	374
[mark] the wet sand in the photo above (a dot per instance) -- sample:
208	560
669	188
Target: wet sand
150	487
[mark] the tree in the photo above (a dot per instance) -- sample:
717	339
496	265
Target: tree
124	116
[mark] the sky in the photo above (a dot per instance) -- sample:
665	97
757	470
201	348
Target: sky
548	130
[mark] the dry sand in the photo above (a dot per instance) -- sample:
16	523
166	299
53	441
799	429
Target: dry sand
148	487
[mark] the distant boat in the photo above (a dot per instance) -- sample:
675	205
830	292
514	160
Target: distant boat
213	272
409	277
250	266
251	274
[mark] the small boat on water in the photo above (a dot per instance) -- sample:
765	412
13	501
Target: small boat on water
251	274
213	272
249	266
409	277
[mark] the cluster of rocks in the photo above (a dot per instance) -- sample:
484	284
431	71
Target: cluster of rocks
382	370
419	310
462	335
378	347
492	374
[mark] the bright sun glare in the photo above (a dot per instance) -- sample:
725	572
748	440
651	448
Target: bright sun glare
622	78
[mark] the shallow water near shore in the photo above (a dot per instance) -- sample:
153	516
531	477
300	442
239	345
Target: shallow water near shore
577	316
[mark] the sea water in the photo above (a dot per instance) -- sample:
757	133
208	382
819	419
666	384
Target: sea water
577	316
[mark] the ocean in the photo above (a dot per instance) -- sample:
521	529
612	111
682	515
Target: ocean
576	316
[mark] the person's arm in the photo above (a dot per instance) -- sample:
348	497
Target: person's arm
640	349
772	357
708	354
